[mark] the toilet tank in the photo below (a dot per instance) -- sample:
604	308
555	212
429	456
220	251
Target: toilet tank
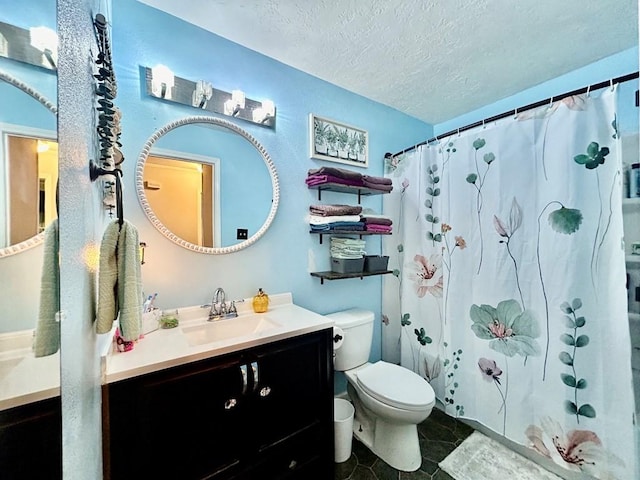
357	325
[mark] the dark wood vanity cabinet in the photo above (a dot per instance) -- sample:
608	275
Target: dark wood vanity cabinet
31	441
266	413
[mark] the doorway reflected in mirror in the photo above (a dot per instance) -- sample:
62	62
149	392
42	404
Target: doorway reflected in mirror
183	195
32	175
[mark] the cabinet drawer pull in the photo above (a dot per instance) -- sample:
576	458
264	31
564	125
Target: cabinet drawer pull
265	391
243	370
254	369
229	404
292	465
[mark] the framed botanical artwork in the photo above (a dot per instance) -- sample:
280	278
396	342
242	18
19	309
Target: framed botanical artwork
337	142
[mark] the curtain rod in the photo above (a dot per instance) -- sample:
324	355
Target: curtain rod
596	86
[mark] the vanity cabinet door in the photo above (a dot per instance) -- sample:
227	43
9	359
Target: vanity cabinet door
31	441
204	421
292	407
182	423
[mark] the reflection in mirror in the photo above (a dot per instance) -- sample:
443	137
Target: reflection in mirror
28	165
31	169
30	412
203	182
36	45
196	216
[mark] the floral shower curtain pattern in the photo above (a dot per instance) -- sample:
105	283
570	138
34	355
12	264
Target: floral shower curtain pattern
508	293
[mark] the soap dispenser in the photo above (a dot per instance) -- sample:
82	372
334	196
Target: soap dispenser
260	302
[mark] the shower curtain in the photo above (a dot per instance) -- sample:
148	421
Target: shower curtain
508	287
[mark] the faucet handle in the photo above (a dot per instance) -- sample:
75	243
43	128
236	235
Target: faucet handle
232	307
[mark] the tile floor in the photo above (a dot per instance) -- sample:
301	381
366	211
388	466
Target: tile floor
439	435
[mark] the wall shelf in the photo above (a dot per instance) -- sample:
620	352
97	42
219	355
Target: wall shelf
354	190
360	233
339	187
337	276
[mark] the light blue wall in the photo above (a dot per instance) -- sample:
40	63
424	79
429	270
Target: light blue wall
611	67
282	259
19	295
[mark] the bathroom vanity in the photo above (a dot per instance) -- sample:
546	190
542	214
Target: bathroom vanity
30	412
256	405
31	440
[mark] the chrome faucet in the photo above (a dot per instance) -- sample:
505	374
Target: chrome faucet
219	308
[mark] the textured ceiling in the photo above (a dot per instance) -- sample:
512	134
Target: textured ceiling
433	59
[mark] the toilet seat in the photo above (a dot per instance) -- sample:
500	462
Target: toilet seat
396	386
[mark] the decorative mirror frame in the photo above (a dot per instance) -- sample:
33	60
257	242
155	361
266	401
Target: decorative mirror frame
39	238
142	198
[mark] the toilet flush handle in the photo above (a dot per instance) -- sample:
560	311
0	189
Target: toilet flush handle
338	337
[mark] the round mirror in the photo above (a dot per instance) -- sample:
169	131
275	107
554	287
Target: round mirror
207	185
28	165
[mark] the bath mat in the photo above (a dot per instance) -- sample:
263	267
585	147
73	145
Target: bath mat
481	458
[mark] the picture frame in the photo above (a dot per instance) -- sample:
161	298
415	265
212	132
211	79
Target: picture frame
335	141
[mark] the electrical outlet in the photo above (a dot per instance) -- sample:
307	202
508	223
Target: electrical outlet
243	234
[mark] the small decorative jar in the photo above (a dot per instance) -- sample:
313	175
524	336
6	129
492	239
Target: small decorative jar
260	302
169	319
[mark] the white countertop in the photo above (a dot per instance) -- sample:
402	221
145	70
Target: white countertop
23	377
166	348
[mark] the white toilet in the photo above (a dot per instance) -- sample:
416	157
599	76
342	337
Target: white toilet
389	400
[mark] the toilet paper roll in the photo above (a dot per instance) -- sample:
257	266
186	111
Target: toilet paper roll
338	337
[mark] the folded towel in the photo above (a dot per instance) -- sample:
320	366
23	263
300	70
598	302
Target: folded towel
120	281
328	227
330	210
350	256
377	186
380	180
320	179
372	227
47	339
346	241
336	172
316	220
347	247
376	220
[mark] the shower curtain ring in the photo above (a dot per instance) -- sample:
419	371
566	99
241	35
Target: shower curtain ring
515	114
588	91
483	125
611	83
458	132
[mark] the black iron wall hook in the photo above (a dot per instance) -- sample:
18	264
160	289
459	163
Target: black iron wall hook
96	172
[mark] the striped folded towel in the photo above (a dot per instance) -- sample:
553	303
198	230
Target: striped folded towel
317	220
330	210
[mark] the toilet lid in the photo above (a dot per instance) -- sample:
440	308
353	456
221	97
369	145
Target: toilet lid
396	386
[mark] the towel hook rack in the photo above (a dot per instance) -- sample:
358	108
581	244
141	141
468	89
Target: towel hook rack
96	172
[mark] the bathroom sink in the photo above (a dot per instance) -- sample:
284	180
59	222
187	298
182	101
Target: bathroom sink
221	330
7	365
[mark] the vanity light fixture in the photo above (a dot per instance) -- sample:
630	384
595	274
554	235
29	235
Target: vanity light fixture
45	40
236	103
265	112
202	94
162	82
42	146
